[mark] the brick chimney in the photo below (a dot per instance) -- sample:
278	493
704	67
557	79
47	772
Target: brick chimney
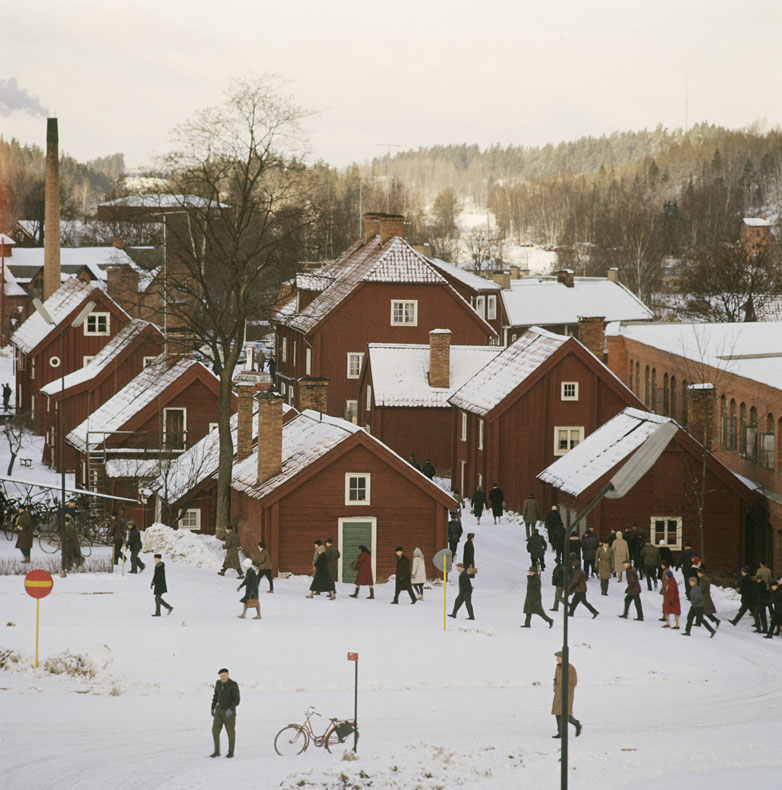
51	256
371	226
565	276
122	287
592	333
440	358
269	435
313	393
700	413
244	420
515	272
391	225
502	279
613	274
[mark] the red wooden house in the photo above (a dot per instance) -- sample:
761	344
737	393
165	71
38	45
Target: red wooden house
404	391
318	476
534	402
665	501
136	345
38	344
379	291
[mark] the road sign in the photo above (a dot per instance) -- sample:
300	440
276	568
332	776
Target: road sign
443	560
352	656
38	583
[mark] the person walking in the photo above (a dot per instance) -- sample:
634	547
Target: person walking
709	609
775	621
321	578
7	392
650	557
671	604
134	546
363	567
556	531
117	532
605	565
413	461
558	580
264	565
665	555
158	586
418	574
632	591
454	532
530	512
589	545
578	586
496	498
536	546
468	553
402	582
316	553
250	583
273	372
231	552
556	706
574	548
71	551
748	591
478	503
465	592
621	554
428	469
24	533
759	608
696	609
686	558
533	603
225	700
332	556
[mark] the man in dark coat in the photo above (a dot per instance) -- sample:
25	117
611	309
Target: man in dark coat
465	593
665	556
428	469
748	591
578	586
224	702
589	552
454	531
650	556
558	580
321	578
273	372
573	548
231	552
264	565
530	512
632	592
134	544
158	585
496	499
759	608
556	530
71	551
332	555
414	462
696	609
468	553
478	503
7	392
556	706
24	533
402	576
775	624
533	603
117	532
536	546
685	564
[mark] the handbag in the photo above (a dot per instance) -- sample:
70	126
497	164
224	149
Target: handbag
354	565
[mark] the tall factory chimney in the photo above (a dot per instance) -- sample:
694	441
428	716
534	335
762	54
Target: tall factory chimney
51	257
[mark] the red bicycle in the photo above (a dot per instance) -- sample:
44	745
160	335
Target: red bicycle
295	738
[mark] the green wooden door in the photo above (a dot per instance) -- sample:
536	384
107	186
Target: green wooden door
354	534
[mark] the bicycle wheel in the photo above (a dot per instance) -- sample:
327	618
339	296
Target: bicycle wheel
291	740
49	542
85	546
337	746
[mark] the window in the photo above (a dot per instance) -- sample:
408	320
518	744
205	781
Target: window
351	410
491	307
283	388
767	450
480	480
354	363
369	397
174	428
404	312
32	368
294	353
569	390
307	361
464	426
191	519
147	361
86	360
566	438
480	306
284	349
97	324
357	488
480	434
668	529
20	360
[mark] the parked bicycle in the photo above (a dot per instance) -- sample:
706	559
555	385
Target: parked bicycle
295	738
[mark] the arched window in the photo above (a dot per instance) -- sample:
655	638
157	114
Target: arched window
752	435
666	396
723	418
743	430
638	379
732	427
631	375
673	397
685	403
647	388
654	389
767	452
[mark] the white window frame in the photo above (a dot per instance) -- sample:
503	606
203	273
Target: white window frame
480	480
32	368
574	431
369	397
491	307
480	434
307	361
92	325
284	349
564	392
678	527
85	360
464	426
342	558
191	514
351	408
147	361
367	478
404	306
293	360
480	305
353	357
167	409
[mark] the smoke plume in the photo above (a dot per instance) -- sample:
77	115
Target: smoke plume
13	97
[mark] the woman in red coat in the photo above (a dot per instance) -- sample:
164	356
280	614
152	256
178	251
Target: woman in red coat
363	565
671	605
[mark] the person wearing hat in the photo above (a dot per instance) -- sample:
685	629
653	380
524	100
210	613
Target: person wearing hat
158	585
231	552
556	707
363	567
24	532
321	579
403	581
250	597
578	586
71	551
465	593
454	531
775	624
709	609
134	545
671	604
604	560
117	534
224	702
632	591
533	603
665	554
264	565
748	592
696	609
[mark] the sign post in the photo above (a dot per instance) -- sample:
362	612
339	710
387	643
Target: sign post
442	561
38	584
354	658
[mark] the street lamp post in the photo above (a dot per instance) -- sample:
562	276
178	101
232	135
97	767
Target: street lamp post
636	467
77	322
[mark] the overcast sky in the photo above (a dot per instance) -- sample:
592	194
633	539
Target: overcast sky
120	74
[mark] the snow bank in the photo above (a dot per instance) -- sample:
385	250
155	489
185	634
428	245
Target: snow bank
91	664
183	546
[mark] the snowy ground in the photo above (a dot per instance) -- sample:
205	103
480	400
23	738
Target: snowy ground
466	708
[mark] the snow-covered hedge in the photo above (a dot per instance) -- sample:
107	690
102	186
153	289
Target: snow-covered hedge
184	546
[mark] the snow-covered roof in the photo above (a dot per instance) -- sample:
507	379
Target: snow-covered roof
507	370
756	222
158	201
400	373
12	287
134	467
752	350
132	398
468	278
602	450
124	338
313	281
67	298
93	257
545	302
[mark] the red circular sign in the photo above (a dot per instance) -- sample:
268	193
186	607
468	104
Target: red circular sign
38	584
